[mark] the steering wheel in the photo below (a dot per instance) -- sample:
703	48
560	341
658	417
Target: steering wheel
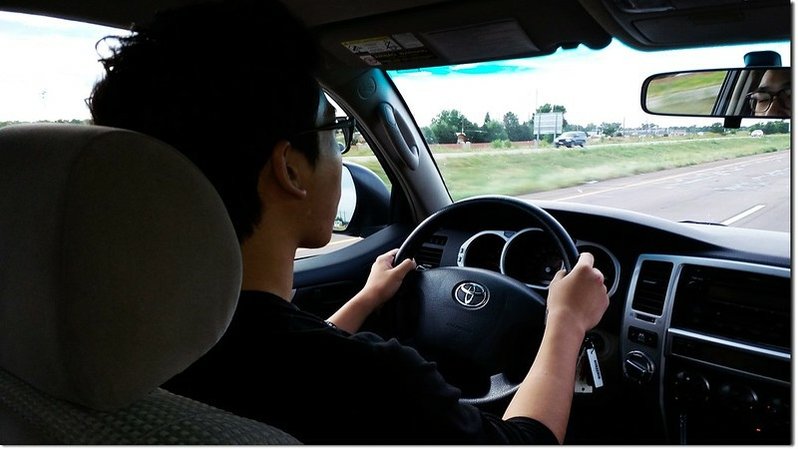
482	328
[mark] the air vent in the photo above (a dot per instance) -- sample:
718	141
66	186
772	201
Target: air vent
738	305
431	251
651	287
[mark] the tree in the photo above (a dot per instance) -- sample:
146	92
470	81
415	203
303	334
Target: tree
428	134
649	128
771	127
551	108
529	128
570	127
445	126
716	128
610	129
491	130
515	130
782	127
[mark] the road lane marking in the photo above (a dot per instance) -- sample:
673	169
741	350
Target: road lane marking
742	215
664	178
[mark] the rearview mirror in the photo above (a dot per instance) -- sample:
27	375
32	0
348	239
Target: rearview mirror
740	92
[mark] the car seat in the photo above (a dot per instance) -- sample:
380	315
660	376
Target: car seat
119	267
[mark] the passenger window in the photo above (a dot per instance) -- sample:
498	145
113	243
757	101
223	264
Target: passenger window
57	91
49	68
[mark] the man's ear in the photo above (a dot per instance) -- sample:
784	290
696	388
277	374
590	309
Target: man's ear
288	168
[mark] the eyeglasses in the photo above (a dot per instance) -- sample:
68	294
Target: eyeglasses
760	101
344	128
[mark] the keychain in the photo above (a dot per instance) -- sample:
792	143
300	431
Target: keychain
588	371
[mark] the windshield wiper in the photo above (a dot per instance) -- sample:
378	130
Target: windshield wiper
710	223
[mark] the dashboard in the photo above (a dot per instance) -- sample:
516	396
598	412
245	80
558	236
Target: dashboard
695	346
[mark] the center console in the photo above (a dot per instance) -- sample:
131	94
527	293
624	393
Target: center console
709	343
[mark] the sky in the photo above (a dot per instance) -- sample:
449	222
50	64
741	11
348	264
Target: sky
594	85
50	66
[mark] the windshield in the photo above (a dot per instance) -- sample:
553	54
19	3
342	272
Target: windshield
501	127
498	128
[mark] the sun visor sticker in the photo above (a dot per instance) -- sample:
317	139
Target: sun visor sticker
392	49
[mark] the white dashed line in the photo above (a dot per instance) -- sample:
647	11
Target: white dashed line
742	215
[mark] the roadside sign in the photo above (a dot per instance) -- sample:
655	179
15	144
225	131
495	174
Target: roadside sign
548	123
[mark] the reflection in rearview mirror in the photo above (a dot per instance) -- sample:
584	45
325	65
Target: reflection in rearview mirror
691	93
741	92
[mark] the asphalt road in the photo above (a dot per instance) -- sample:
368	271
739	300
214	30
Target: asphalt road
751	192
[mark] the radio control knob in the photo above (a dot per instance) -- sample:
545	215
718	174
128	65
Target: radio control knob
690	389
737	398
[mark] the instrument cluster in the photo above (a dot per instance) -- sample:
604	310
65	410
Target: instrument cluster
530	256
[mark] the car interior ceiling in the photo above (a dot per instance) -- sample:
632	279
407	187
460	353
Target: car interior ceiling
465	31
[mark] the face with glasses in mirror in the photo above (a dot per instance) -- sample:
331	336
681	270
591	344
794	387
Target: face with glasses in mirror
773	96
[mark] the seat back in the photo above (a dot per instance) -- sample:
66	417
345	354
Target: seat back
119	267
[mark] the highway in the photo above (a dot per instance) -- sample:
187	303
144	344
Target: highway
751	192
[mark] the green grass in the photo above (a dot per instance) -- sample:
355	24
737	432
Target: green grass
504	172
691	81
692	93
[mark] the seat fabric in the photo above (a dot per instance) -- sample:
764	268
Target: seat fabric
159	418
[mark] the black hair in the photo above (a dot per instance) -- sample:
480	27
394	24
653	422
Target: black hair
222	82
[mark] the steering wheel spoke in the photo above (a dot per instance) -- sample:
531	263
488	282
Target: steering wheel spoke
501	387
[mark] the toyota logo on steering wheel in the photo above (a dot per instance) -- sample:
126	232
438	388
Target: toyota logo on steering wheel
471	295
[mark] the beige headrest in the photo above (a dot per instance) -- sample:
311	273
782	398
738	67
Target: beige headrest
119	265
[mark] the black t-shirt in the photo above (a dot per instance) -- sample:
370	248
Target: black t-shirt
290	369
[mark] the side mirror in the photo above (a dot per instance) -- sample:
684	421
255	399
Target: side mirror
365	202
347	203
737	92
